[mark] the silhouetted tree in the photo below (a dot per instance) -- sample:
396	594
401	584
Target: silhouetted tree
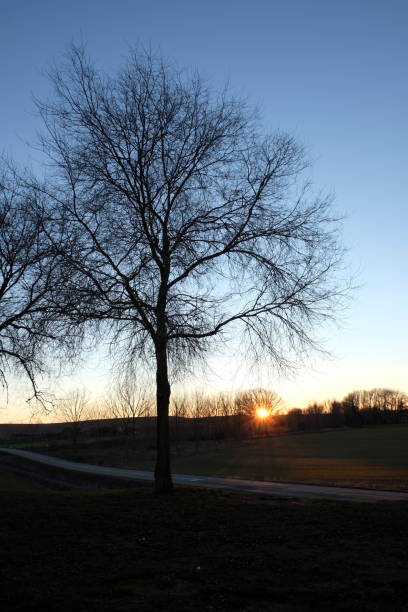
336	414
379	405
249	400
295	419
130	400
184	221
73	410
28	267
197	411
179	412
315	413
224	408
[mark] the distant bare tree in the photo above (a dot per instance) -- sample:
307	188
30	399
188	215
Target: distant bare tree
73	410
224	403
387	404
198	412
295	419
315	412
97	411
250	400
179	412
184	221
224	407
129	401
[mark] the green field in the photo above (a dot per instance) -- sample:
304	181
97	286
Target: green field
376	456
368	457
197	551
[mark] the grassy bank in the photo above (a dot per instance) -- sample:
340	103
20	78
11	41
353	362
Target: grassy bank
196	550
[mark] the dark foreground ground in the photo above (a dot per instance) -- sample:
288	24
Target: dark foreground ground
195	550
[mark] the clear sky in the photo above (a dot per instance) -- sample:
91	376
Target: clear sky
334	73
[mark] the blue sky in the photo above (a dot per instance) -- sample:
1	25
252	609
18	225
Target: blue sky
332	73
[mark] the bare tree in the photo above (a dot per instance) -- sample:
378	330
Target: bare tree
179	412
315	413
185	221
198	412
73	410
224	403
252	407
129	401
27	275
224	408
251	400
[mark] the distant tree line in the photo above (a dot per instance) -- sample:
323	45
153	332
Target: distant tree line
128	413
229	415
357	409
126	417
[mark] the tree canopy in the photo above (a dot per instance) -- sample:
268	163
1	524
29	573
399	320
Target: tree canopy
183	220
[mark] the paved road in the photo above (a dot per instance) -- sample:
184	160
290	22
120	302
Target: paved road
259	487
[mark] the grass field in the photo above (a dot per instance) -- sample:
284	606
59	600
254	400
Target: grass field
203	551
371	456
357	457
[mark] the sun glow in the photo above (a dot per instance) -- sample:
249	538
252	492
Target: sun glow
262	413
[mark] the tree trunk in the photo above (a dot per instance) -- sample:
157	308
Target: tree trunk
162	473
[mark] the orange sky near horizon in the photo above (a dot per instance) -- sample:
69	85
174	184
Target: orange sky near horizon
326	380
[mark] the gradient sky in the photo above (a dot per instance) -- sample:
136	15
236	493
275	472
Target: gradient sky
334	73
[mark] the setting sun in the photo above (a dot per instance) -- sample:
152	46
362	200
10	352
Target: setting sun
262	413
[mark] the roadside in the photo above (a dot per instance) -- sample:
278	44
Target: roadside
59	479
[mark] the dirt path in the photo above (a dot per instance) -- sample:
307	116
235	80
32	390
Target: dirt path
280	489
